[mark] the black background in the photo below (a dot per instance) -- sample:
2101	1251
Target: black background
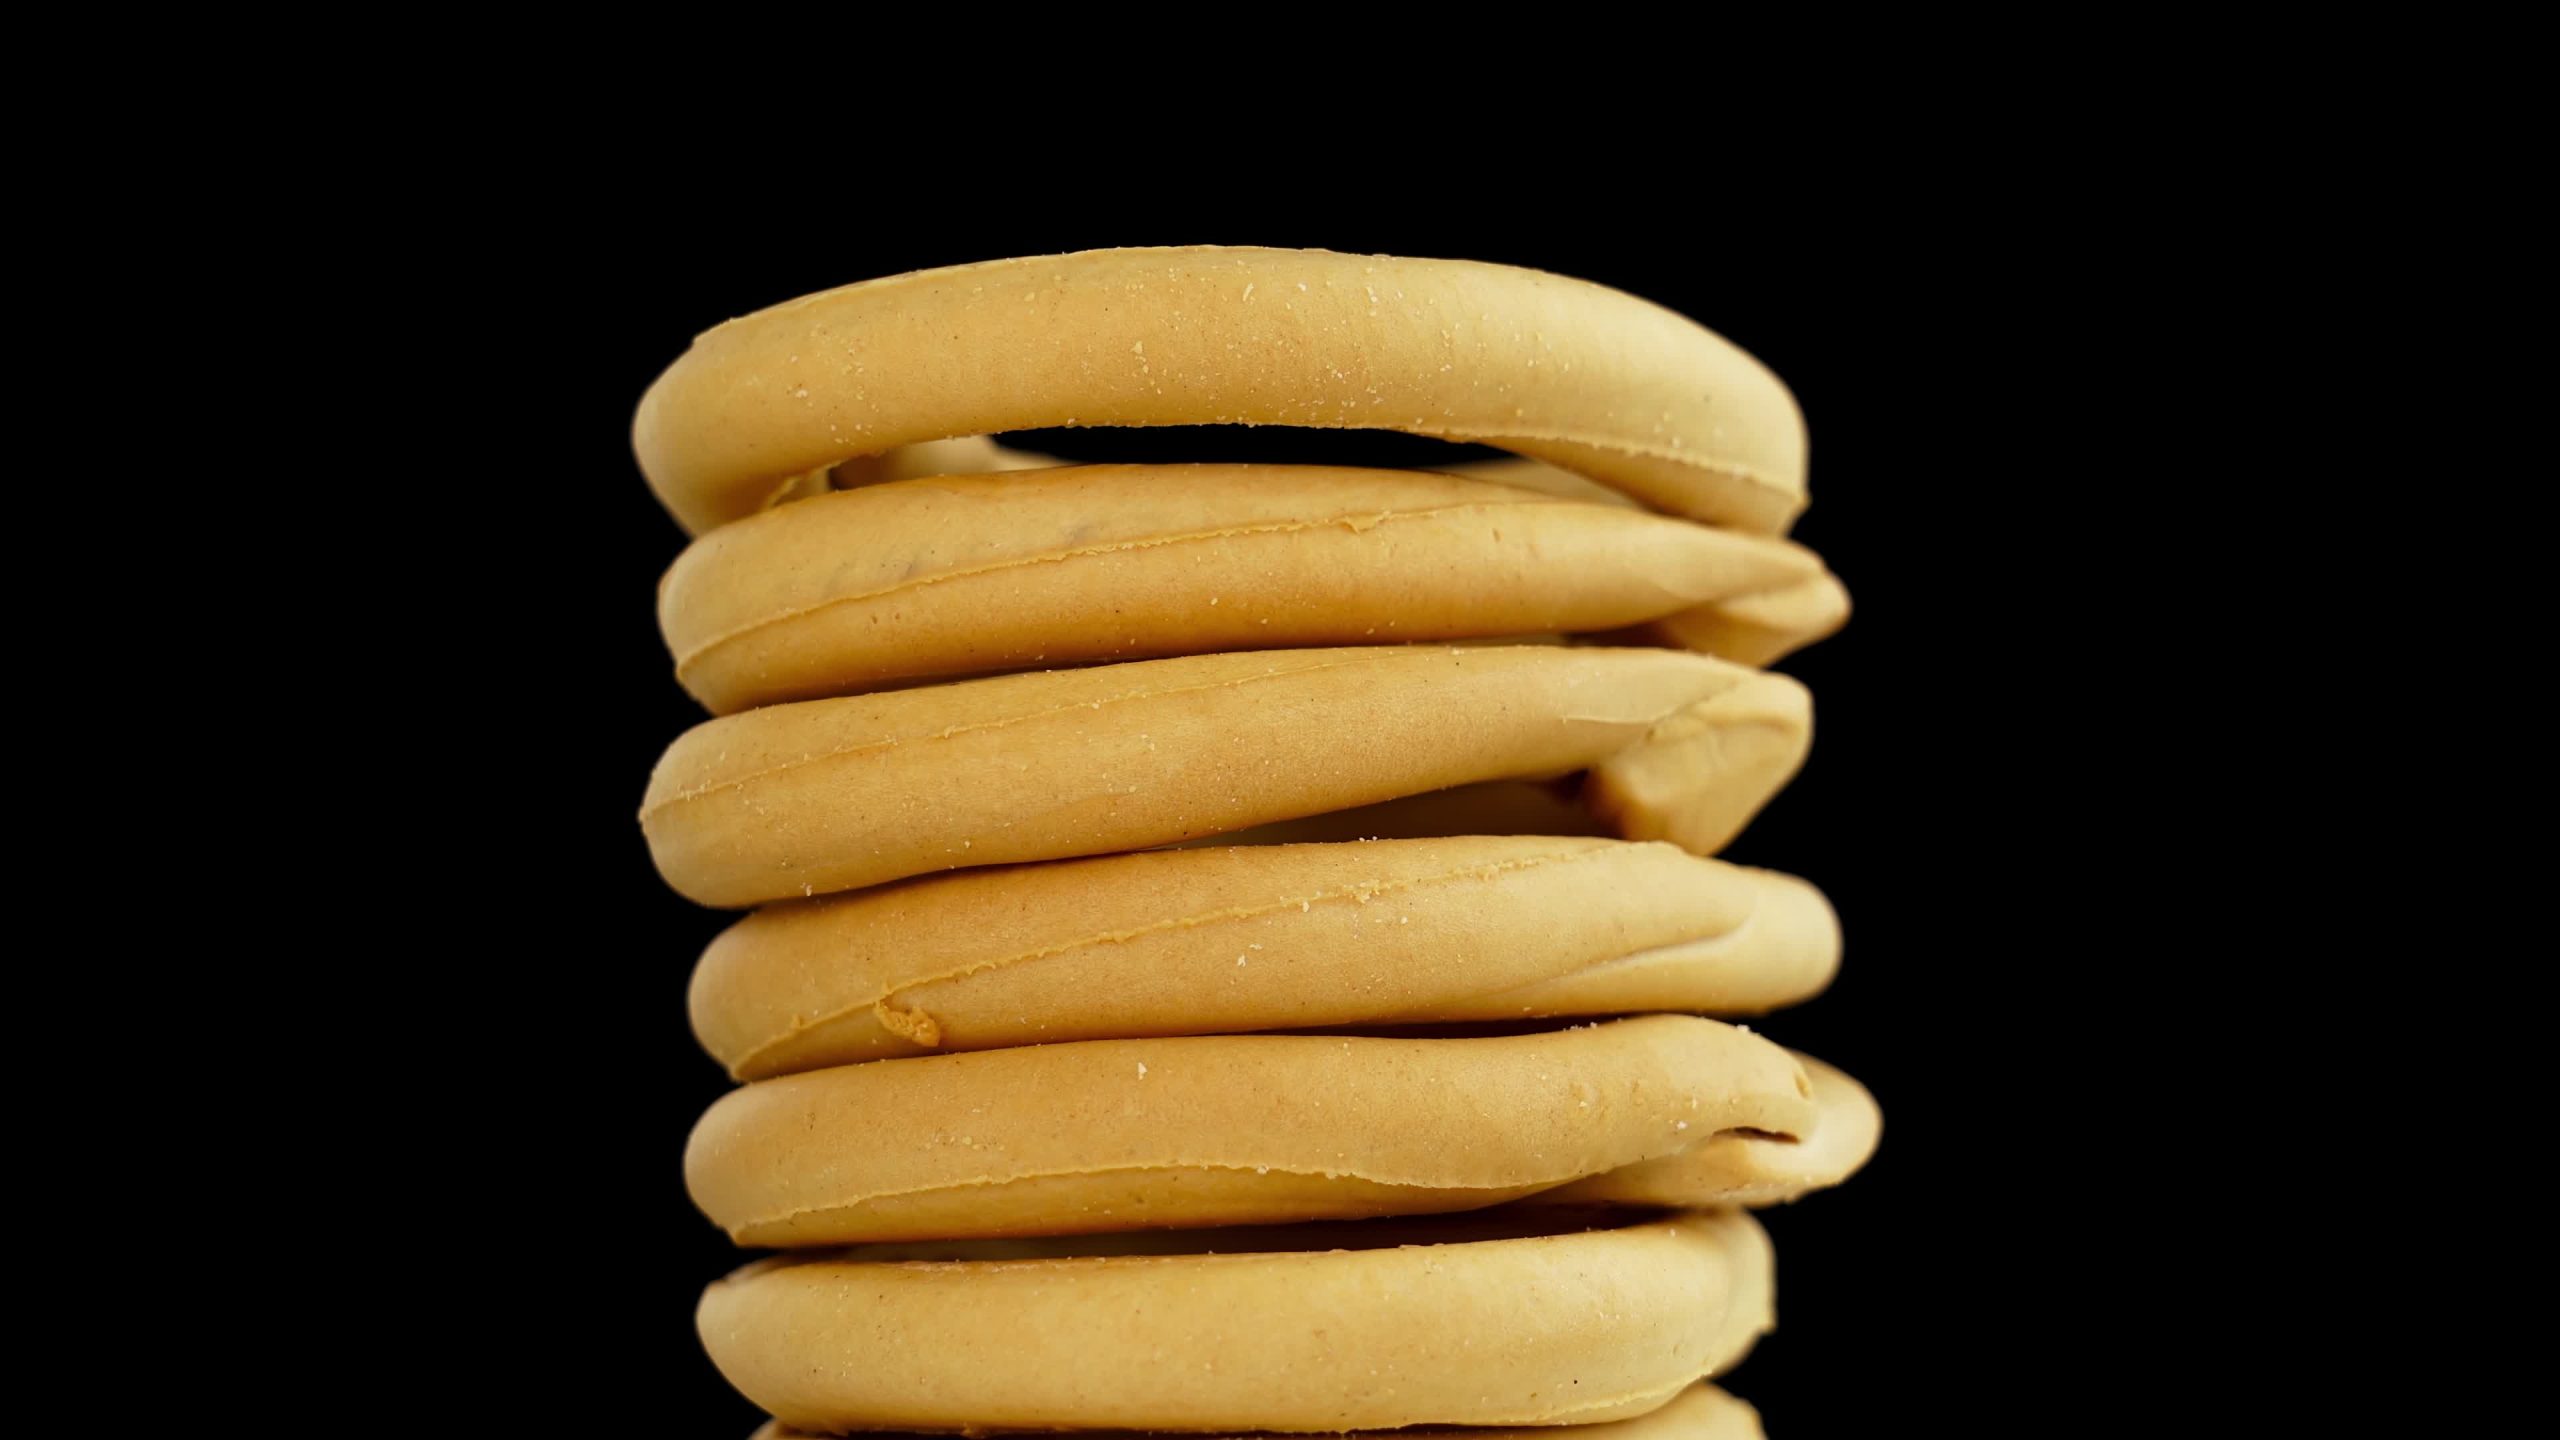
1915	1288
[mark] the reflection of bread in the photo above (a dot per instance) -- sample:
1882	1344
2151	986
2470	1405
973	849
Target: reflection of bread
1701	1412
1212	941
1421	1324
830	795
1588	378
1223	1130
959	575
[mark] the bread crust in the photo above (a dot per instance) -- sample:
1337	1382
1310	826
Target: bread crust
1421	1325
961	575
1587	378
829	795
1184	1132
1229	939
1701	1412
1740	1169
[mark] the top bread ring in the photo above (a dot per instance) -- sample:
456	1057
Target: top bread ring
1592	379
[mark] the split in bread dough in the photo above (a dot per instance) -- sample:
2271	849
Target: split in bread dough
1590	379
960	575
1270	937
1193	1131
1490	807
1739	1169
829	795
1507	1317
1702	1412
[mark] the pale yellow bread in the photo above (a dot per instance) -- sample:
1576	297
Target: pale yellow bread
828	795
1239	938
1701	1412
1193	1131
1373	1325
1590	379
1738	1169
961	575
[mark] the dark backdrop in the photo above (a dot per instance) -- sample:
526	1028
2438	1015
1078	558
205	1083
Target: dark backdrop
1907	1295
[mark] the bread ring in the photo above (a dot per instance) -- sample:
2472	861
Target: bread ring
1424	1324
1755	1170
1215	941
967	574
1588	378
1701	1412
831	795
1759	628
1221	1130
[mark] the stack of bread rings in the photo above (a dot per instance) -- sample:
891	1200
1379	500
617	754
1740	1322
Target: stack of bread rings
1232	946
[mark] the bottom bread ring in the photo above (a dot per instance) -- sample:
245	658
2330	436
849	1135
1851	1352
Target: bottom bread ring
1701	1412
1511	1317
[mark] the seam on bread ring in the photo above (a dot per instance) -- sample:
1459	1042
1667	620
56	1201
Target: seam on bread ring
1362	893
696	653
981	726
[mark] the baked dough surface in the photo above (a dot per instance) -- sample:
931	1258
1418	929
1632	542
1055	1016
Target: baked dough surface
1105	1135
1593	380
1271	937
960	575
829	795
1177	882
1374	1325
1701	1412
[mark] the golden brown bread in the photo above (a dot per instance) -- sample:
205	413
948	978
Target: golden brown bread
1406	1323
1701	1412
1041	1043
1588	378
1185	1132
1236	938
960	575
829	795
